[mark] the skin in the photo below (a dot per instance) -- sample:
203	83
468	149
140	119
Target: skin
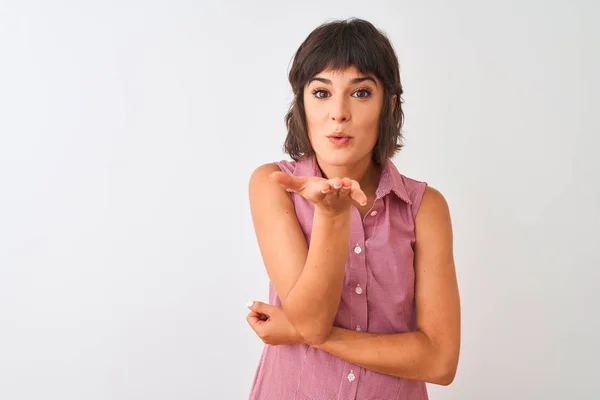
335	103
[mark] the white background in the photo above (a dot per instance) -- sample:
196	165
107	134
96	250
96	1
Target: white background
128	132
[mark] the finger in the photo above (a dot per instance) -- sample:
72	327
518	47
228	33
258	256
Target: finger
262	317
357	194
295	183
254	320
324	187
336	183
346	186
261	308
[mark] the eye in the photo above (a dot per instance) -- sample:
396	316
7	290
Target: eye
365	93
362	93
319	93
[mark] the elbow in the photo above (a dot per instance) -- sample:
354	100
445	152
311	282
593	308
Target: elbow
443	361
445	378
313	335
445	371
313	329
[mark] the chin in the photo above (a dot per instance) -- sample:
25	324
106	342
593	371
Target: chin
337	158
342	156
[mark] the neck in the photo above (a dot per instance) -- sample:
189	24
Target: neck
366	172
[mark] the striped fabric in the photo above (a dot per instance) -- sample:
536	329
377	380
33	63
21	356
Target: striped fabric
378	297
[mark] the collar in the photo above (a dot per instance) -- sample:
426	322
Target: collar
390	180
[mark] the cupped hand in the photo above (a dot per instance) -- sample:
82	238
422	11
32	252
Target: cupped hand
333	195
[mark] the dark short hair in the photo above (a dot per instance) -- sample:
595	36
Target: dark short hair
337	45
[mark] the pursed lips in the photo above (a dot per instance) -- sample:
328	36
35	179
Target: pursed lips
338	135
339	139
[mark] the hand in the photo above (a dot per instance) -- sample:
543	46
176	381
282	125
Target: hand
272	325
332	195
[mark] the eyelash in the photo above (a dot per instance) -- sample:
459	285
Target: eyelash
368	91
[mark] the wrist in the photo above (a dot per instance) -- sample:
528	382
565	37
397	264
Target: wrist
341	215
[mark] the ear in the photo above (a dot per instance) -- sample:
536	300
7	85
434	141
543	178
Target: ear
394	99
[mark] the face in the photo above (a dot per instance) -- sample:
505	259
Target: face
342	114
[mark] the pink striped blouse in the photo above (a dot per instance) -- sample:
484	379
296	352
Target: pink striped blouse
378	297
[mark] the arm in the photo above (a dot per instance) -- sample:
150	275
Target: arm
308	281
431	352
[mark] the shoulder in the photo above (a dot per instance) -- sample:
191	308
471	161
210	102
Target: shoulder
263	171
260	184
425	198
433	215
260	178
433	201
413	187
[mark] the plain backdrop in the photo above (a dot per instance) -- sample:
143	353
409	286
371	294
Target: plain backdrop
128	132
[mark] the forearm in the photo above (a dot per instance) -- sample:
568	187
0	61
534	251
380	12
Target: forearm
312	303
410	355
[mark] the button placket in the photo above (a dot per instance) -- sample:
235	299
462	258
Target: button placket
351	375
349	388
358	289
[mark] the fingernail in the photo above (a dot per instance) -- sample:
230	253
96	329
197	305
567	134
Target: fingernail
337	186
249	304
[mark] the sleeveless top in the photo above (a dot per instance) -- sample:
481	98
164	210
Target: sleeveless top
377	297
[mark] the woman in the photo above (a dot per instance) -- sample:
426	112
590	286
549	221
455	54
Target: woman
363	296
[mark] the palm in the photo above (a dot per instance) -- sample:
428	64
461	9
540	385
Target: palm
331	194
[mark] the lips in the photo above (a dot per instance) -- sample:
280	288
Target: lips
339	140
338	135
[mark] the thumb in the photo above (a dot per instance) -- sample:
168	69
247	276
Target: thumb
260	307
294	183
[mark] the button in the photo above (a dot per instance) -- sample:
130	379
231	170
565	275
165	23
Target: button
358	328
358	289
373	213
357	249
351	376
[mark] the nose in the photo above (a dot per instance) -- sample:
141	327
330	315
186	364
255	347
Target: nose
340	110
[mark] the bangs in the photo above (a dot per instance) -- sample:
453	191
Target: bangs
337	47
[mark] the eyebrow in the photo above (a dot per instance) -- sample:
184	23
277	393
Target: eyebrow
352	82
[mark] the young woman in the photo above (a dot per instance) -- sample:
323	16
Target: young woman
364	302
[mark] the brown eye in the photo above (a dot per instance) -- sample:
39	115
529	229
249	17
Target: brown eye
364	93
319	94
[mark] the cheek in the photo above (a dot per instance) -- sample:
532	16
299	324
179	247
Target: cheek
368	119
312	111
314	117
